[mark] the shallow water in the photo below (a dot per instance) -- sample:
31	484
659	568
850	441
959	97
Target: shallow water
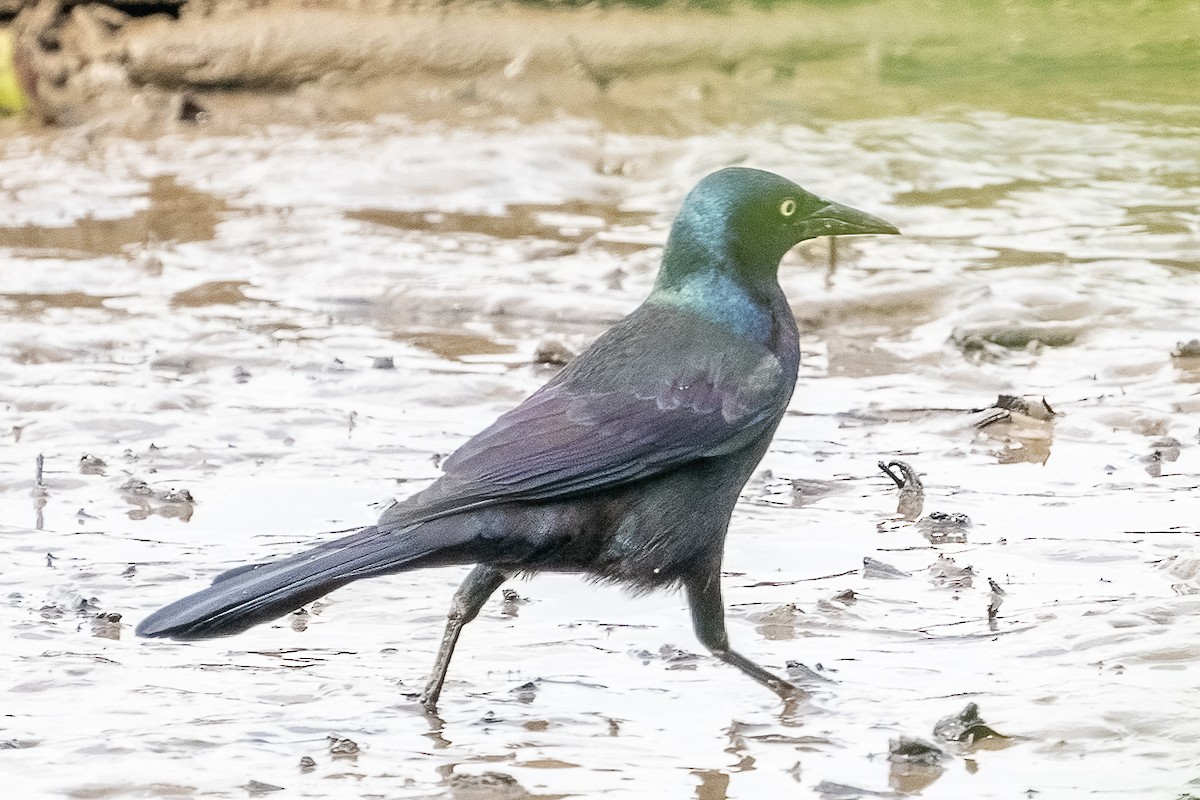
203	311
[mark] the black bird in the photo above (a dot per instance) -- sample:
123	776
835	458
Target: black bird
625	466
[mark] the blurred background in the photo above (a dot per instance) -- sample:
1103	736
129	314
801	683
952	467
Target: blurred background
263	264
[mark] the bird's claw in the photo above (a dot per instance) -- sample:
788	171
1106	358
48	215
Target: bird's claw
787	691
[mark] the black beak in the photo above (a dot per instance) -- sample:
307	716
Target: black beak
835	219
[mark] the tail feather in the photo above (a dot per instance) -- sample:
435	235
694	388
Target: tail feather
246	596
232	573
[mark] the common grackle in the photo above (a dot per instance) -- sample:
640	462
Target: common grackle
625	466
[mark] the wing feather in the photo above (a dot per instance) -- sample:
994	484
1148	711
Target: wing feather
560	442
659	390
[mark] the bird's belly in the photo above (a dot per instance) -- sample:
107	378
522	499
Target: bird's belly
645	535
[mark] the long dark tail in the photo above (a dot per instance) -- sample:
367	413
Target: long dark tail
246	596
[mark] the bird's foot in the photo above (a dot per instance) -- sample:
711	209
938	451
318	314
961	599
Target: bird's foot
794	706
428	702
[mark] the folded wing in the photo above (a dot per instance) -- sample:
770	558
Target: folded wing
563	441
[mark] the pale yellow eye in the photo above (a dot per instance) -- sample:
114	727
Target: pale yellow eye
787	207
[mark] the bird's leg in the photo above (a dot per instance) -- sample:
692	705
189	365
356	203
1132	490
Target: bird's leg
469	598
708	618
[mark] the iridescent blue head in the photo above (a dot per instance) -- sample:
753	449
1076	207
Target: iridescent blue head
739	222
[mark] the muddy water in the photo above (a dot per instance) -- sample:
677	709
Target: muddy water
205	312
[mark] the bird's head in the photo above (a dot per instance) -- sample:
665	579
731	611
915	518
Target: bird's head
744	220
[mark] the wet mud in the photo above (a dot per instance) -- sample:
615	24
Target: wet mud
222	341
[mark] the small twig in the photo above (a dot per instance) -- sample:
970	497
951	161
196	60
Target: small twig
39	492
799	580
